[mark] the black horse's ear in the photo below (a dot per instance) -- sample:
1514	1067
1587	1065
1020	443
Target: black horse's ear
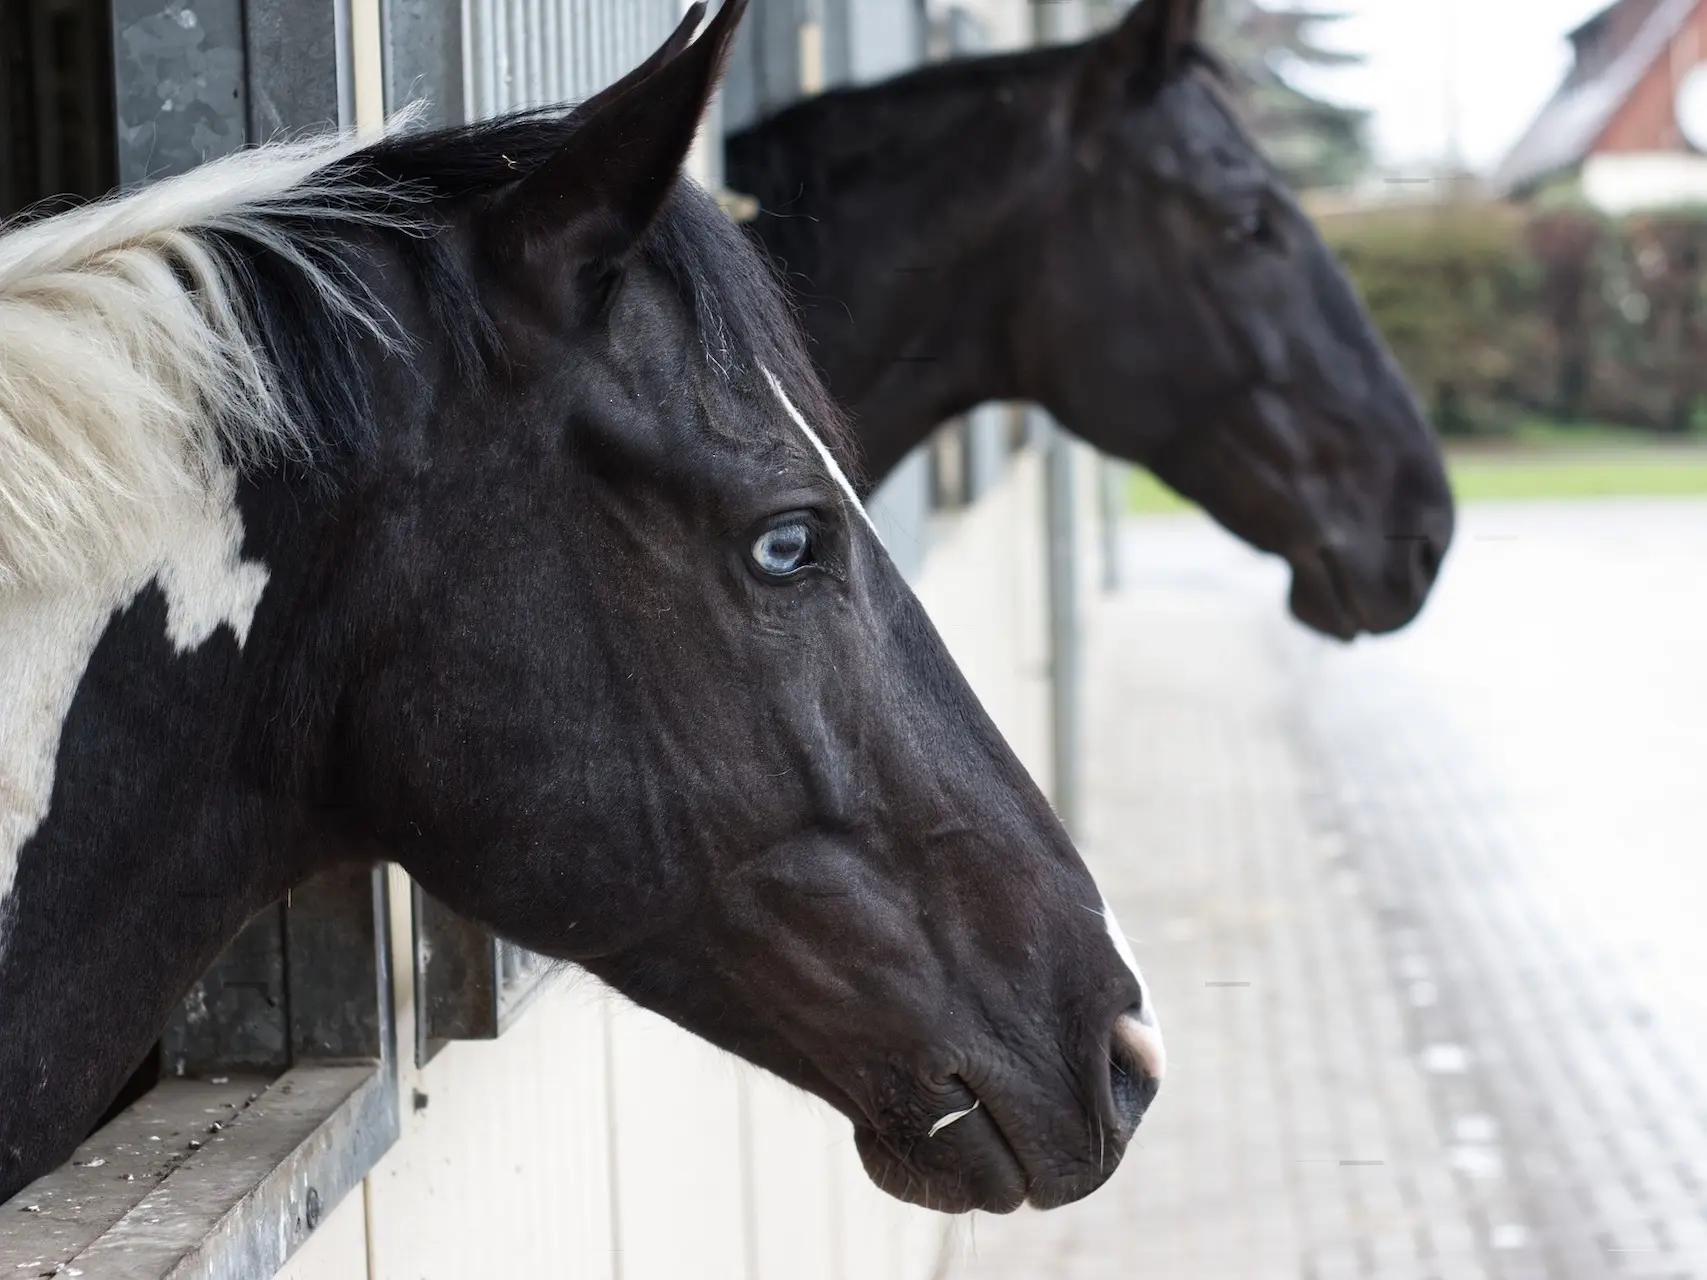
679	40
1138	56
603	188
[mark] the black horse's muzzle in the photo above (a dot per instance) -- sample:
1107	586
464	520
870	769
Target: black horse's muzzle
996	1142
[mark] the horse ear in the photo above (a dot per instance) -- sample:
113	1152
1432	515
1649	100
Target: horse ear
607	183
1139	54
678	40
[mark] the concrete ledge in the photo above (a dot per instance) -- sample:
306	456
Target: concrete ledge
204	1181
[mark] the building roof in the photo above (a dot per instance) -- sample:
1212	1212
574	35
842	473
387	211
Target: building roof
1615	49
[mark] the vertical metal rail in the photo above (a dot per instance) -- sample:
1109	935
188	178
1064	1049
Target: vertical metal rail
1052	23
1111	486
1060	506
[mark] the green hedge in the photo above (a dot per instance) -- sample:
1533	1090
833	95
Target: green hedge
1499	313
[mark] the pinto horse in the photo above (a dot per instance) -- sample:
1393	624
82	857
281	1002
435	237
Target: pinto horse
469	497
1089	227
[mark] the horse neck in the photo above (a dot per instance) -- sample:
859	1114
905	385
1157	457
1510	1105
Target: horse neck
138	824
906	218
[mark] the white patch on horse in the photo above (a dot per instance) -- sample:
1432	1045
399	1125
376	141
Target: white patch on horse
132	396
1140	1031
131	374
823	451
48	633
206	581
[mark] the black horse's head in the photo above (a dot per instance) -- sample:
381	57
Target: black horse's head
1090	227
639	688
1190	318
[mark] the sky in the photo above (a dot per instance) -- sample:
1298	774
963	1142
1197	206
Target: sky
1506	60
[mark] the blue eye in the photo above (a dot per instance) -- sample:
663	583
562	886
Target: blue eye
784	550
1254	227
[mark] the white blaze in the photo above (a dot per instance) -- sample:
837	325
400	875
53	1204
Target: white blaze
48	633
1141	1033
823	451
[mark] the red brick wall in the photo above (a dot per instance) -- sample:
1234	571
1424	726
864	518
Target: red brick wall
1648	120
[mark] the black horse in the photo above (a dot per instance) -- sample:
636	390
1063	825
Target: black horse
1090	228
386	502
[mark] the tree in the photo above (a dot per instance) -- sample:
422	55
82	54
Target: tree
1314	142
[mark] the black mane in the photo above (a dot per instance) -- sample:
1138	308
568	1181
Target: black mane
413	181
889	107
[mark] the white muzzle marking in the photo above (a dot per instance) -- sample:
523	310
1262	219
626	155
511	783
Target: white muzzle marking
1139	1033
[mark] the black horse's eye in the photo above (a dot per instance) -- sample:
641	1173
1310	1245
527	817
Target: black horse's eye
783	550
1254	227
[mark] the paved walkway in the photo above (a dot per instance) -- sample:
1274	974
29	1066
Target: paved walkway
1426	918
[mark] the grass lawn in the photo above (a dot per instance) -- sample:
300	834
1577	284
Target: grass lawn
1148	496
1538	462
1482	476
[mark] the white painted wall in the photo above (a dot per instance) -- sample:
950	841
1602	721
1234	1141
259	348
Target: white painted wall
338	1248
506	1168
1628	182
983	583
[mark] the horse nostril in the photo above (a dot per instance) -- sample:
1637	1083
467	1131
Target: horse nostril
1428	557
1136	1064
1413	563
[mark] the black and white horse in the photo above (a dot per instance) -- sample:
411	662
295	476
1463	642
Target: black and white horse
379	500
1091	228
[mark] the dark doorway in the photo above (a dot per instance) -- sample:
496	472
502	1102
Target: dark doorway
56	101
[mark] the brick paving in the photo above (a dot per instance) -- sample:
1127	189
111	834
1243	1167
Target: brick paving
1426	918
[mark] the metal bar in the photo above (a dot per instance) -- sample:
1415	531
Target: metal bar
458	987
511	38
336	967
486	38
424	45
295	75
1060	504
470	985
552	38
343	45
1054	23
535	40
987	453
1111	486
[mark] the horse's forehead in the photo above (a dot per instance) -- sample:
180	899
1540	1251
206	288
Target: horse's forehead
1192	134
49	632
1211	129
822	450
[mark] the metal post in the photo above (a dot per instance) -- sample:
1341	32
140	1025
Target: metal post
1450	66
810	58
424	58
1111	484
1052	23
1059	21
1060	504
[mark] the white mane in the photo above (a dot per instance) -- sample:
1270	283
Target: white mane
129	373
